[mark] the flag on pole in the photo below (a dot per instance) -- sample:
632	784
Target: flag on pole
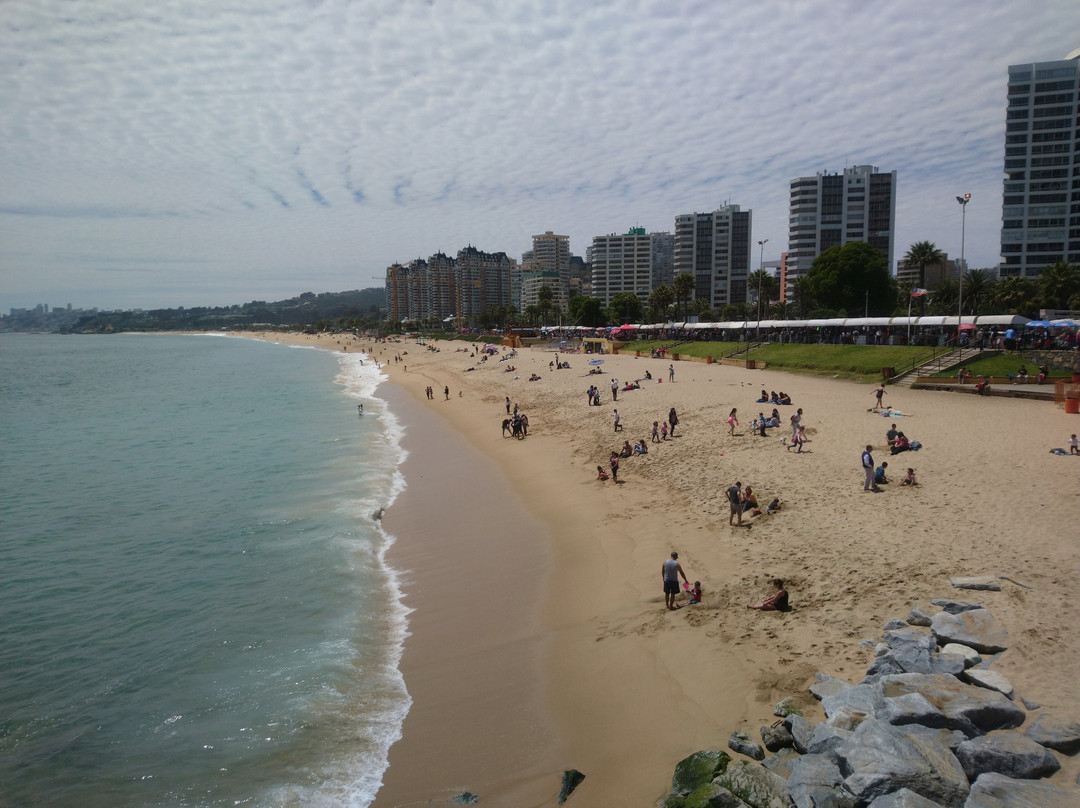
917	292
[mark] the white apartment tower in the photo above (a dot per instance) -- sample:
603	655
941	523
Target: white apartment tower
1040	213
715	249
829	210
622	263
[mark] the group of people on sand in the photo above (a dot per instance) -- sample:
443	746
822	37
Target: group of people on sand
660	433
744	500
671	570
774	398
876	476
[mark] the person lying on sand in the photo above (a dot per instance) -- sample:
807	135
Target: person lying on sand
776	602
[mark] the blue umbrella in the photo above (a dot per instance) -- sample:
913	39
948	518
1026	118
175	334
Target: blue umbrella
1063	323
1037	324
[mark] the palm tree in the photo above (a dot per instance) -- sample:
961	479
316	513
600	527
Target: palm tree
766	286
660	300
1059	283
923	254
684	288
978	286
1015	295
802	297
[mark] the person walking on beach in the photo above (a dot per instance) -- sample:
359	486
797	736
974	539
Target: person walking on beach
734	495
614	389
673	421
446	392
655	431
670	572
868	469
613	461
733	421
796	419
508	405
618	421
671	373
878	393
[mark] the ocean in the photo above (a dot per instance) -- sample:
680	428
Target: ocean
196	606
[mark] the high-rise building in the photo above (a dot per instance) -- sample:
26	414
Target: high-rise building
663	258
1040	213
622	263
830	210
442	286
715	249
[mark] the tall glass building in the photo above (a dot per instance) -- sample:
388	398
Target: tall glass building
1040	213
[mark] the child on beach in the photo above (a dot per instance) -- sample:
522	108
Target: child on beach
733	421
613	461
656	432
798	440
910	478
1074	449
600	473
663	431
695	593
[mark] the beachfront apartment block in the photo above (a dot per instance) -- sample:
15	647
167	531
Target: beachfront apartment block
1040	212
622	263
715	248
442	287
832	209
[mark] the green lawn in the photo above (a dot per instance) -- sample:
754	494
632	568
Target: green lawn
1002	365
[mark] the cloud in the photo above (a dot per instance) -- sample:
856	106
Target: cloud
295	141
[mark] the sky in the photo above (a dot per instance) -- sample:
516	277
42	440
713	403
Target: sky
212	152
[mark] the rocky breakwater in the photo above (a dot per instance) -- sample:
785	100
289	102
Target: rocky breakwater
931	724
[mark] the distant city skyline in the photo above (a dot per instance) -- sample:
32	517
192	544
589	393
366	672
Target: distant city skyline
197	154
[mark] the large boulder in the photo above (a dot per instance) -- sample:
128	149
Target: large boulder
968	654
782	762
904	798
919	615
777	738
828	686
912	650
998	791
826	740
991	680
755	785
972	710
698	769
1008	753
975	628
879	758
1056	732
711	795
862	698
801	731
815	783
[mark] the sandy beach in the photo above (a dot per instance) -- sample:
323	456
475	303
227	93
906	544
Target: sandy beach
540	640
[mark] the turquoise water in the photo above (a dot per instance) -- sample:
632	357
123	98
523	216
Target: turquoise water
196	611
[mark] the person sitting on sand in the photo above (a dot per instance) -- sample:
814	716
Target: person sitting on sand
902	444
890	435
641	447
773	398
600	473
764	397
749	499
695	593
627	450
776	602
784	398
648	375
879	474
773	506
909	479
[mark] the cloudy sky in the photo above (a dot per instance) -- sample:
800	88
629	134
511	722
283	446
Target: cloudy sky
210	152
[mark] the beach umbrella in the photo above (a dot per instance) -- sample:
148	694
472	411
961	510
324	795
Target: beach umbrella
596	361
967	326
1063	323
1037	324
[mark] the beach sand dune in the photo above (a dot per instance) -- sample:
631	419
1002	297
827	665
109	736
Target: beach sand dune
627	688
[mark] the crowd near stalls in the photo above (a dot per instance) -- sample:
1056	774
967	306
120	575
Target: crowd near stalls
986	331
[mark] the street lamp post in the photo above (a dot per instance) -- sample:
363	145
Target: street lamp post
761	268
963	200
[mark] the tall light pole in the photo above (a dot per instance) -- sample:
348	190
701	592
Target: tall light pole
761	268
963	200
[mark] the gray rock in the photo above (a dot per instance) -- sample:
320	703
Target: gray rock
998	791
991	680
827	686
777	738
975	628
881	649
910	637
879	758
970	709
845	718
896	622
755	785
740	742
912	708
784	707
865	698
915	658
988	583
1008	753
801	731
782	762
697	769
1056	732
955	606
970	655
919	616
904	798
826	740
711	795
465	798
1029	704
815	783
866	642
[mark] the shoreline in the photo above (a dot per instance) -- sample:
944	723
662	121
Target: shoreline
628	689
